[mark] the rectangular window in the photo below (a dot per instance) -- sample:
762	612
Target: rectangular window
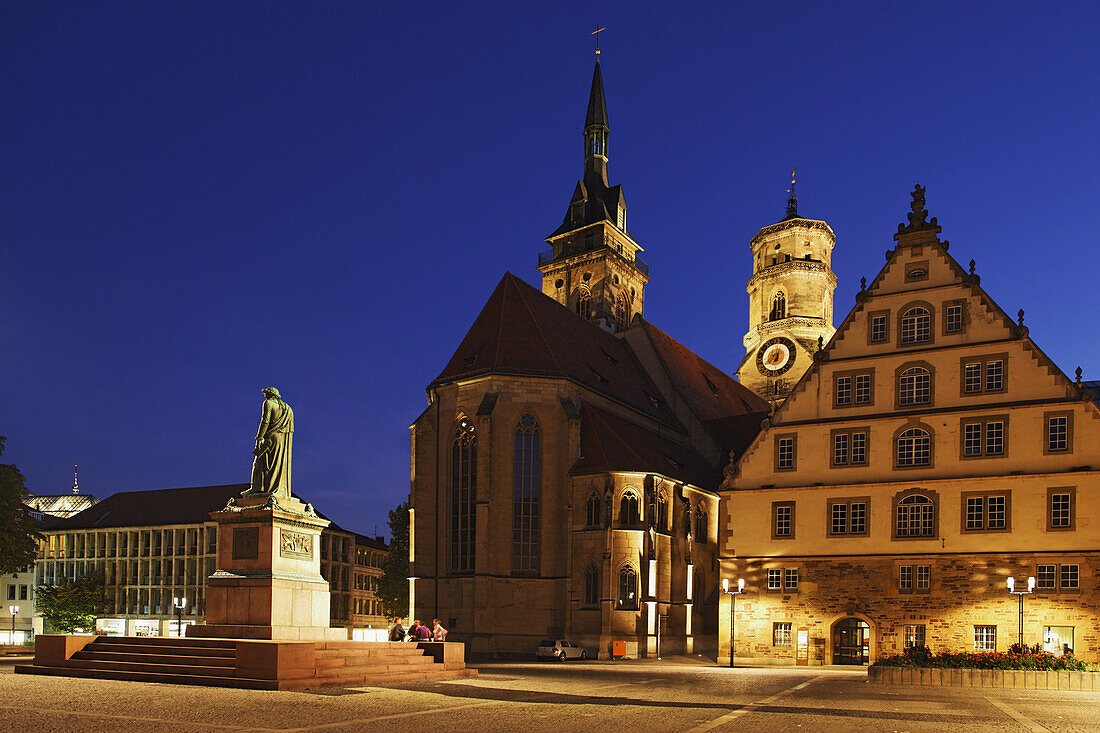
781	634
986	438
924	577
905	578
11	592
985	511
953	318
1070	577
775	579
784	452
847	517
983	374
22	592
879	327
1046	577
1060	508
844	390
914	635
782	519
849	447
840	449
1057	432
863	389
985	638
790	578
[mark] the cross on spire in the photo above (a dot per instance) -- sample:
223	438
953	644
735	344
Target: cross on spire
76	485
596	33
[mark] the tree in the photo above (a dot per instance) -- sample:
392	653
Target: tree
393	586
72	605
18	535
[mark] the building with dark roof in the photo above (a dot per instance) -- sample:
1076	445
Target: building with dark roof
155	545
566	469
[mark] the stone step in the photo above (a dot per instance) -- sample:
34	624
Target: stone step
147	650
172	679
184	659
164	666
398	669
379	659
389	678
168	641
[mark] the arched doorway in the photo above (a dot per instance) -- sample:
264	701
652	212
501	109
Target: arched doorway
851	641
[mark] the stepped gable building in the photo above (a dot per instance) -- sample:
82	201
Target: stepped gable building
790	302
564	474
931	452
152	546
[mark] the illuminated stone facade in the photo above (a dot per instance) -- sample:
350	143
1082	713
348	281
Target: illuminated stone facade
931	452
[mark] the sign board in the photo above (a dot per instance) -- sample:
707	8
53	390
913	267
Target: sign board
802	648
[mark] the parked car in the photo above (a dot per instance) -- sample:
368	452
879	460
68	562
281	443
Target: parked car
559	649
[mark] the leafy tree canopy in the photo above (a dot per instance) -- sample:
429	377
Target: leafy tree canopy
393	586
17	530
72	605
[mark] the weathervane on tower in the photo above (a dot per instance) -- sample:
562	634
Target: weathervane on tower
792	199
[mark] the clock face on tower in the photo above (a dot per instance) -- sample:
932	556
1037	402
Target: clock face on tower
775	357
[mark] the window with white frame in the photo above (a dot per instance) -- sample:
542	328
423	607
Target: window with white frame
905	578
914	448
781	633
1070	577
879	328
923	579
1057	433
984	438
914	635
847	517
953	318
985	638
915	386
1046	576
916	325
790	579
783	519
915	517
775	579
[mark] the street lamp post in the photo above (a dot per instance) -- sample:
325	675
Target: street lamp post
733	608
13	610
179	604
1021	594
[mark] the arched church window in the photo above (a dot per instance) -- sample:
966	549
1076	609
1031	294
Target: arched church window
621	312
628	588
779	307
592	511
662	512
463	495
628	510
583	305
591	585
526	482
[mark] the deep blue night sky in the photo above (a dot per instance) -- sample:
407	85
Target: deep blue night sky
201	200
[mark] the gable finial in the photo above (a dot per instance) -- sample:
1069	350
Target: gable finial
972	263
1078	373
1020	317
862	284
792	198
918	214
596	33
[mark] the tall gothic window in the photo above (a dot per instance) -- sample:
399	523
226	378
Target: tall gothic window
662	512
591	586
583	305
463	496
592	511
628	588
779	307
621	313
526	481
628	510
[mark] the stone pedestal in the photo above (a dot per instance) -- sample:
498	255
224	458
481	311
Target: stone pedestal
268	584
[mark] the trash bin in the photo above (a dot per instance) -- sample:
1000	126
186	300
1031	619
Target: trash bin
618	649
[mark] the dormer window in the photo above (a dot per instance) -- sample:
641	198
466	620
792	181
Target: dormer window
622	218
576	213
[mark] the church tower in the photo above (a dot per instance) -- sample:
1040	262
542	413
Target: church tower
790	302
593	266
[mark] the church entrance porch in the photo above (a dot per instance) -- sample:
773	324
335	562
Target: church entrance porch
851	641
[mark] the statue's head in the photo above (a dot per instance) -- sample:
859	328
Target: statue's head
272	392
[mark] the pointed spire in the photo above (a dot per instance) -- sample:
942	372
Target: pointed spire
597	107
792	199
76	484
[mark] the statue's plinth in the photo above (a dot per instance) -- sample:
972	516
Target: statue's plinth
268	584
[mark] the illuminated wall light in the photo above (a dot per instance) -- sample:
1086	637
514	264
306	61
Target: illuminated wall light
651	620
690	587
652	579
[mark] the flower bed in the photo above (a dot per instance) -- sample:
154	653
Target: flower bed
1027	658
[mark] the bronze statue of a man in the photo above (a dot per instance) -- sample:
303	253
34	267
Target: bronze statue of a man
274	438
